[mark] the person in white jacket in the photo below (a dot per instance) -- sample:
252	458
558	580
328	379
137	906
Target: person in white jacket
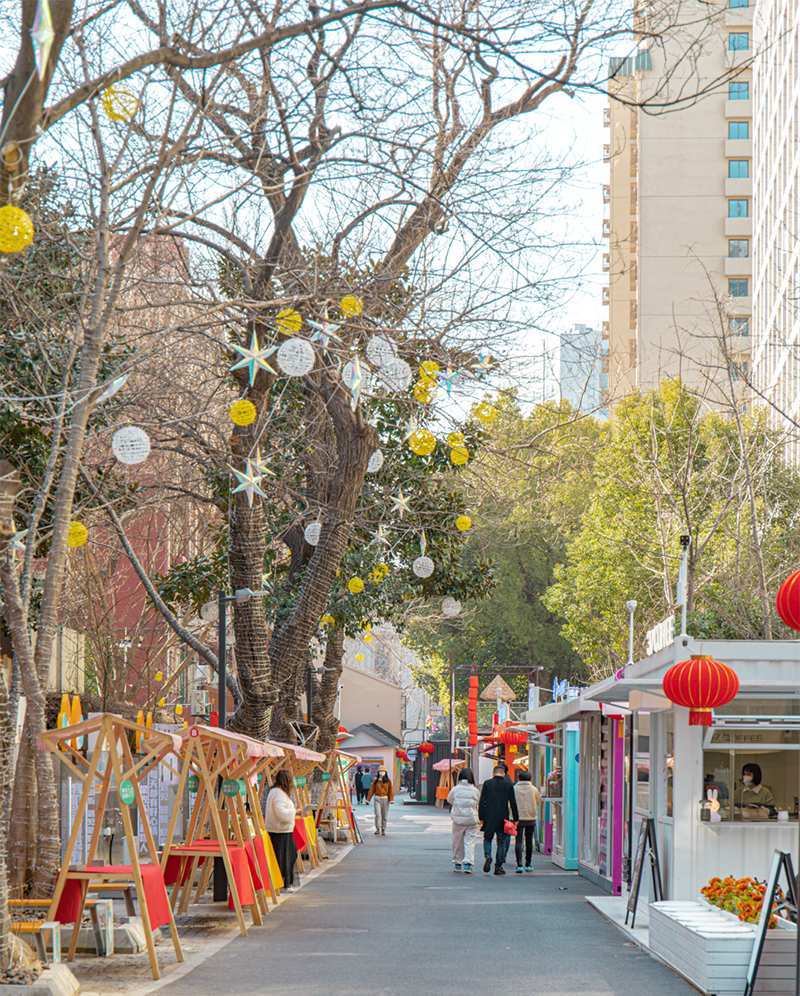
279	821
463	801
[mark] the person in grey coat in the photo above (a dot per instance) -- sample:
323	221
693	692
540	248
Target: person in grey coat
497	797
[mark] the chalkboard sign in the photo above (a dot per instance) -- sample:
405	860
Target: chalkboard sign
781	860
646	844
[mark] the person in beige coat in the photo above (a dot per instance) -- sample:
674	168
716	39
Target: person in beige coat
528	802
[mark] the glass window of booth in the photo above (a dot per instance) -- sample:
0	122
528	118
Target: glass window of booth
668	760
751	760
641	760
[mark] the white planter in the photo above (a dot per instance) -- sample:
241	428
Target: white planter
712	948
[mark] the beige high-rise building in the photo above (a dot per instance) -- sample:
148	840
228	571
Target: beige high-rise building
679	198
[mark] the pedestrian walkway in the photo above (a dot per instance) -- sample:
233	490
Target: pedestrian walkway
393	919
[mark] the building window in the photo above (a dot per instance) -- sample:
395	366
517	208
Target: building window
737	286
738	41
738	129
738	209
738	248
737	90
740	326
738	169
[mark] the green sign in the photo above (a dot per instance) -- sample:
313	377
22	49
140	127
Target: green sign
193	783
242	787
301	782
126	793
230	787
326	776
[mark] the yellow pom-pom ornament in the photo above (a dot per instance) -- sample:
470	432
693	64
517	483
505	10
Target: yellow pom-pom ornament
428	369
485	412
77	535
119	103
456	440
359	657
16	229
351	305
425	390
368	638
459	457
463	522
327	620
422	442
356	585
289	321
243	412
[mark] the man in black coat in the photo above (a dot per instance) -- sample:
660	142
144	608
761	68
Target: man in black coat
497	795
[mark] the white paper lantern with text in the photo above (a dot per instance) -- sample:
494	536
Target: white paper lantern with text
396	374
131	445
380	350
295	357
422	567
450	606
375	462
210	612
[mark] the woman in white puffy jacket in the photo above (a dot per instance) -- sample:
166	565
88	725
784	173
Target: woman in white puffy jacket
463	800
279	821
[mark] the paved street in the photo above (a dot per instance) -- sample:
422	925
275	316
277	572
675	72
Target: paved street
393	919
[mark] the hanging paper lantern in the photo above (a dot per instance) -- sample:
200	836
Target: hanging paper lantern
473	681
380	350
356	585
312	533
544	727
425	390
359	657
422	442
463	522
450	606
396	374
513	738
351	305
700	684
428	369
423	567
119	103
485	412
788	601
77	535
16	229
209	612
131	445
426	748
162	702
456	440
458	457
289	321
179	709
375	462
159	675
295	357
243	412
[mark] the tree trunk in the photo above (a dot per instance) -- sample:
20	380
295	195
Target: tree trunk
6	758
326	691
20	845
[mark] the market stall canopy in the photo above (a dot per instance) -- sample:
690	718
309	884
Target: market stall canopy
449	762
497	688
253	748
301	753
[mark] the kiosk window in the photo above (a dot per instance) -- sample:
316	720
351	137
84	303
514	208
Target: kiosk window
669	760
641	760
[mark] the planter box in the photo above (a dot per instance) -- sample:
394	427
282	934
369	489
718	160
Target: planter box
712	948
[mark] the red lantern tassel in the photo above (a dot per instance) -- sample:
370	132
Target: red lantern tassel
700	717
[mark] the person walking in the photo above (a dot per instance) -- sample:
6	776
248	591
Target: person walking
497	797
366	781
359	786
463	802
279	822
381	793
528	802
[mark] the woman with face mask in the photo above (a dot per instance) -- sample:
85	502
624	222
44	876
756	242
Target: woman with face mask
751	794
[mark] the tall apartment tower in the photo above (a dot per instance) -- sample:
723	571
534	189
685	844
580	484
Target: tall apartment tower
776	193
582	370
679	197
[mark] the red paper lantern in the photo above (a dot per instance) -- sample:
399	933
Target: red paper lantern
426	748
473	683
513	738
544	727
473	738
700	684
788	601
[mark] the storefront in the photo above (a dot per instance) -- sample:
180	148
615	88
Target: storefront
678	769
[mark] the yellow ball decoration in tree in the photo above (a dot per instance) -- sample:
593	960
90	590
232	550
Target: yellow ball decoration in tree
429	369
16	229
179	709
159	675
327	620
485	412
77	535
243	412
459	457
463	522
359	657
356	585
289	321
119	103
456	440
425	390
422	442
162	702
351	305
368	638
